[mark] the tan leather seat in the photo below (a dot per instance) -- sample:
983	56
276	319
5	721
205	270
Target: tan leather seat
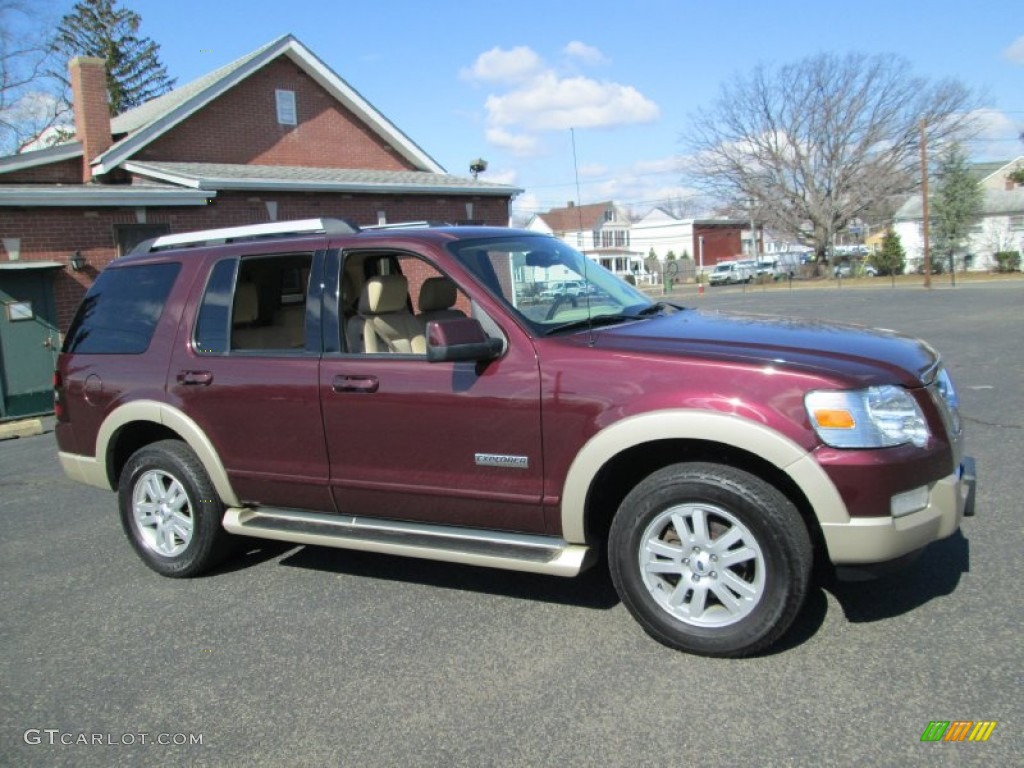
437	300
390	326
244	313
289	327
353	323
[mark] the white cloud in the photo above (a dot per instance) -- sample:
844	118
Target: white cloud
671	165
510	177
530	97
592	170
549	103
522	145
996	135
503	66
585	53
1015	51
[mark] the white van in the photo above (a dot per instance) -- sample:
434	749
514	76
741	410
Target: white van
726	272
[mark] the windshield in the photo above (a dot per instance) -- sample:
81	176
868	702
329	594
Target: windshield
547	283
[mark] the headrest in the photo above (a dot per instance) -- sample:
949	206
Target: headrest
383	294
437	293
247	304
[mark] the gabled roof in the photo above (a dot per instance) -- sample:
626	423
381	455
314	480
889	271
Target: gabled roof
37	157
996	202
982	172
149	121
227	176
576	218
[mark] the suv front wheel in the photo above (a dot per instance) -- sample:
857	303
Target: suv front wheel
171	512
710	559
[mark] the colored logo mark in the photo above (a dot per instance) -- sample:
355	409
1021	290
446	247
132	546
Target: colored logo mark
958	730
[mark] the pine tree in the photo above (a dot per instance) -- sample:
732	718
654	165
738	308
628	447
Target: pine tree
99	28
957	204
892	259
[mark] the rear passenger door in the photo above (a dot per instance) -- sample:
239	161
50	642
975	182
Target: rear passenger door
249	377
446	443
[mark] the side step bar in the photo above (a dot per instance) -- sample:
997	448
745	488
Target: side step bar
471	546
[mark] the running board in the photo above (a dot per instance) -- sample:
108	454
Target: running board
471	546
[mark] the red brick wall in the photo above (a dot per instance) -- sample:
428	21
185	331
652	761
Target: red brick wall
66	172
53	233
241	127
720	244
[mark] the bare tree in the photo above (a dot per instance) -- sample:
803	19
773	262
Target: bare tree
817	143
31	102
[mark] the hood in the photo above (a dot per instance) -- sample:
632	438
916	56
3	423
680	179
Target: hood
868	355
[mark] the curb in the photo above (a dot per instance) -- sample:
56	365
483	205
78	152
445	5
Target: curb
23	428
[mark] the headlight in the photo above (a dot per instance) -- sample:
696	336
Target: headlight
876	417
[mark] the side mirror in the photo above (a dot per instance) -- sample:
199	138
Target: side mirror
458	339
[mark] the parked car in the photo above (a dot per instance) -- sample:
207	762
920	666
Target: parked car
850	270
564	288
382	390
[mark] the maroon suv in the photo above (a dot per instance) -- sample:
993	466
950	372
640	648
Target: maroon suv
416	391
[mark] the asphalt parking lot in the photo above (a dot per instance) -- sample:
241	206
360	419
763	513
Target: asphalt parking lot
310	657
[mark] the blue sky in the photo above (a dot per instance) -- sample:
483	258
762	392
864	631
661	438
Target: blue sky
504	81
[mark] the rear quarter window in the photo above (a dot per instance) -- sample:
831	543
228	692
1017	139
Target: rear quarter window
121	310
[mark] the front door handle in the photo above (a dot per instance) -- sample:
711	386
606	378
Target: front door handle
355	384
200	378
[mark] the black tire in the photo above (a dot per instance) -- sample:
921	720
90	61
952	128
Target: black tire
732	582
171	512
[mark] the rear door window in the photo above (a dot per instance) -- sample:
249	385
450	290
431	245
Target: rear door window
120	311
255	305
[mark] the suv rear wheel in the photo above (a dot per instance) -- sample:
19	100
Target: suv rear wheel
710	559
171	512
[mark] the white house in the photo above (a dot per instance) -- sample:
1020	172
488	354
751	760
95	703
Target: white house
600	231
1001	227
661	232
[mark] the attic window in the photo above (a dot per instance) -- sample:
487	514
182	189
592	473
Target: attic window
286	113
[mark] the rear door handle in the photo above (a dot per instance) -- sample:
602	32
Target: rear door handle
355	384
201	378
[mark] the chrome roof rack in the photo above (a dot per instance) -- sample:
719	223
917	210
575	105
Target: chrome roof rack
326	226
408	225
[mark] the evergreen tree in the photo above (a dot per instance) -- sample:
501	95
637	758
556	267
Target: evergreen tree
892	259
99	28
956	205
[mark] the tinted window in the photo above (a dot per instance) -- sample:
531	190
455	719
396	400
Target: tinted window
120	311
214	323
263	309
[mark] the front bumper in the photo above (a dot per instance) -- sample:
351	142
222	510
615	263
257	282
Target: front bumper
870	540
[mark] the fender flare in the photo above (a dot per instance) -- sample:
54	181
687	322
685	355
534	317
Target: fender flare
691	424
182	425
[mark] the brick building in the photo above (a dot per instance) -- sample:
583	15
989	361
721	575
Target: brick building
275	135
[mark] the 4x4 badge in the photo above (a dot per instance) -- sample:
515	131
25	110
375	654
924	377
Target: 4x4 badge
501	460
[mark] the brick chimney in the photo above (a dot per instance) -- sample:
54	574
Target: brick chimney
92	109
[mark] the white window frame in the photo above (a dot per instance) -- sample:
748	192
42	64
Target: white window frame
287	112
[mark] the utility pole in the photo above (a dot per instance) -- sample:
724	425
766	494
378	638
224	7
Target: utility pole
924	207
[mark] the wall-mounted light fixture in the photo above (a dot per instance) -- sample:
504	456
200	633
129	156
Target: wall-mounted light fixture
77	261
